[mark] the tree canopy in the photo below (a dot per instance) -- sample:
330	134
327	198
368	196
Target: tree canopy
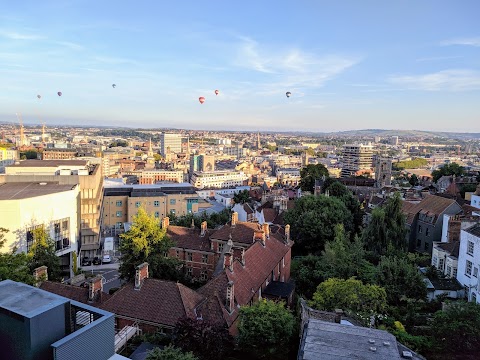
313	220
447	170
350	294
14	266
241	197
410	164
169	353
146	241
42	253
309	174
265	328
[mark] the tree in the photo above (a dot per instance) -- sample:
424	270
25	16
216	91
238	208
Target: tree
265	327
169	353
204	339
146	241
42	253
413	180
410	164
308	272
241	197
401	279
457	328
447	170
386	233
29	154
350	294
309	174
14	266
313	220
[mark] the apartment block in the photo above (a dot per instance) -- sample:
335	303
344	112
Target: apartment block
218	179
356	157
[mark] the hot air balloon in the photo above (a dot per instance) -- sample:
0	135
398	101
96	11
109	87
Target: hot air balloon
39	96
217	92
201	99
59	93
288	94
113	85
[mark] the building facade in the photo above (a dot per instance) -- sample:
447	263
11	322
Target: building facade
356	157
469	262
155	176
218	179
170	143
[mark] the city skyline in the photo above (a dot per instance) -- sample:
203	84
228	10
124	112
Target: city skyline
405	66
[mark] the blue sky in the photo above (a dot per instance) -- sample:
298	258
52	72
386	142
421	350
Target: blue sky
349	64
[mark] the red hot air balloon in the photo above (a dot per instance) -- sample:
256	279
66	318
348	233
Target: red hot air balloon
201	99
59	93
217	92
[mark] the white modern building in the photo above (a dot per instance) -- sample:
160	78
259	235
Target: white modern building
469	262
26	206
218	179
356	157
170	143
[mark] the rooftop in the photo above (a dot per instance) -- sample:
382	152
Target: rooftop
20	190
474	230
26	300
50	163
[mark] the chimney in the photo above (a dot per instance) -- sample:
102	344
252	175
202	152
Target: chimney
192	225
259	235
242	258
165	222
40	275
203	228
338	315
234	218
230	303
95	288
266	230
287	233
141	274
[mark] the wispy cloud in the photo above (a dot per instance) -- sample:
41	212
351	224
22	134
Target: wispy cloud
18	36
446	80
438	58
291	67
472	41
71	45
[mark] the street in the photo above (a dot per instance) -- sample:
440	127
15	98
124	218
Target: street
109	272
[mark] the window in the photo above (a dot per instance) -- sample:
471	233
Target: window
220	247
119	202
203	275
454	273
427	231
156	203
137	204
440	264
157	214
475	271
204	259
177	253
419	242
470	248
419	229
468	268
172	211
119	214
435	261
118	225
173	201
426	246
189	271
449	271
189	256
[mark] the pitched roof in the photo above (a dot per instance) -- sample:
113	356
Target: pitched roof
242	232
474	230
432	205
189	238
157	301
76	293
451	247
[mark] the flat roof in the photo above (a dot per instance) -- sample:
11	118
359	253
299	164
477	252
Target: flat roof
25	190
26	300
50	163
332	341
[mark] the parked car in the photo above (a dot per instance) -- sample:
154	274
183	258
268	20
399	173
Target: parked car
96	260
86	261
106	259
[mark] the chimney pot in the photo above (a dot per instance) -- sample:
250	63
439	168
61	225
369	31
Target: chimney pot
266	230
287	232
165	222
141	274
95	288
234	218
40	274
203	229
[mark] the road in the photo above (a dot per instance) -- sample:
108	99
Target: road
109	272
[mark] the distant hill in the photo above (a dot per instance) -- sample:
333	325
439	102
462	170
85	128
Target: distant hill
406	133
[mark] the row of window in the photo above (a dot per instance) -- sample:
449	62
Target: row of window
189	256
426	246
427	230
156	203
203	273
469	267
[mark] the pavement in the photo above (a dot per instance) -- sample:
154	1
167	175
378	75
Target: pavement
109	272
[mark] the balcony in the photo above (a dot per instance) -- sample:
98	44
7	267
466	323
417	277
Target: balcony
62	244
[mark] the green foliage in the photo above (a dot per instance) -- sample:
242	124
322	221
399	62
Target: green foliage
213	220
457	329
350	295
241	197
447	170
309	174
29	154
340	191
400	278
75	263
413	180
265	328
386	232
169	353
42	253
14	266
313	221
410	164
308	272
121	143
146	241
205	340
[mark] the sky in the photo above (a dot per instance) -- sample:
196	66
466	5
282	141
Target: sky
349	64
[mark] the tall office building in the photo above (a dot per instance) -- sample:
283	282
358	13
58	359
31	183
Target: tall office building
170	143
202	163
356	157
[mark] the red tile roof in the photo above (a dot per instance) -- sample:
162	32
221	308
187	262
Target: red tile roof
242	232
431	205
189	238
157	301
76	293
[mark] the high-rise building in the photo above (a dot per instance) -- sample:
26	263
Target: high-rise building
394	140
356	157
171	142
202	163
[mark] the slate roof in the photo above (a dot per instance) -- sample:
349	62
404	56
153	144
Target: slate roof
157	301
242	232
430	205
474	230
279	289
189	238
451	247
